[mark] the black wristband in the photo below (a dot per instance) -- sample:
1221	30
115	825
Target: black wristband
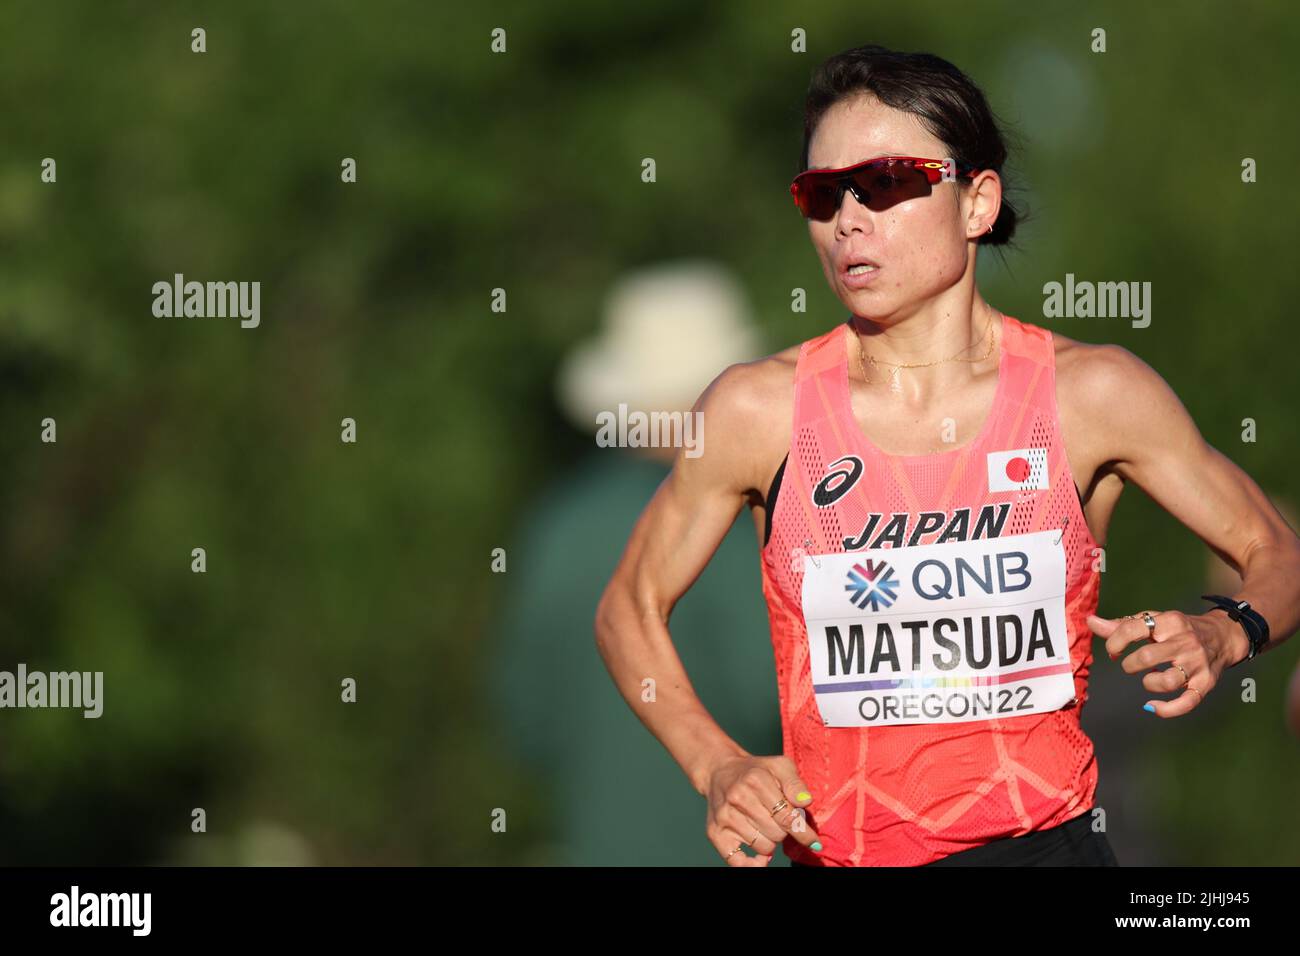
1251	621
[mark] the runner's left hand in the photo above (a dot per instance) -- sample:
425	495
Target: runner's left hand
1200	643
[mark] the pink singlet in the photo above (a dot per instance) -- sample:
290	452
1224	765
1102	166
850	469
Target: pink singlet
928	619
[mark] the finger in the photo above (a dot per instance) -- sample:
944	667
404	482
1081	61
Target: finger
792	786
1184	703
760	838
1120	633
1152	655
1107	629
1129	632
794	820
800	830
752	800
726	840
1174	640
1168	680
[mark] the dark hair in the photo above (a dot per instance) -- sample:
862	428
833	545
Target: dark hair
949	105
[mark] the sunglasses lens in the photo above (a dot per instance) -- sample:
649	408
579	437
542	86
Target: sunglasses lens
819	198
877	186
889	185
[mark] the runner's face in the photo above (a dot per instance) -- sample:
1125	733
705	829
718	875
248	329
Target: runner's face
919	246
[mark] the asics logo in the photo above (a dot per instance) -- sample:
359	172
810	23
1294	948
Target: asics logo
842	474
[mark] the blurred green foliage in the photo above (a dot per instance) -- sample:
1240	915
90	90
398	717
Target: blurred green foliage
521	171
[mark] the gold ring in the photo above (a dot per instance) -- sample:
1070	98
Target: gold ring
1186	681
738	846
780	806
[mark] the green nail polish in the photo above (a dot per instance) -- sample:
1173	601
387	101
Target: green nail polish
804	795
817	847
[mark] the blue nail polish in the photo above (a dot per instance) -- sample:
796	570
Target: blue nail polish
1149	708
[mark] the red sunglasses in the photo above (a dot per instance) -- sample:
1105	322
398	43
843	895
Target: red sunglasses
877	184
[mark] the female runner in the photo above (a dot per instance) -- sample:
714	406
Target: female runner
931	483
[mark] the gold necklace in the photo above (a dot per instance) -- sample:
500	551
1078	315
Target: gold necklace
895	385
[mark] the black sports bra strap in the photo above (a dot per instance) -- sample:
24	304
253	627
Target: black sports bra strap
769	502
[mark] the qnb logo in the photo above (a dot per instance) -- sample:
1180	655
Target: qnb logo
874	583
841	475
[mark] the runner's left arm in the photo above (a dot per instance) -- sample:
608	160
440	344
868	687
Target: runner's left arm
1153	441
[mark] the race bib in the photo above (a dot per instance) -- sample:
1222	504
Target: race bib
939	633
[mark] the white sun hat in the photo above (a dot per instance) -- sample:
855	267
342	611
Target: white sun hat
668	331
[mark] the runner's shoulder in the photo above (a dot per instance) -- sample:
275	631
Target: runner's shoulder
1112	400
751	388
1100	373
748	408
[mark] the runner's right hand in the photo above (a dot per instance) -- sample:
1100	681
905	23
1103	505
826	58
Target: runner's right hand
741	793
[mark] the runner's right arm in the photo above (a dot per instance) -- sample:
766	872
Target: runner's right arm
671	543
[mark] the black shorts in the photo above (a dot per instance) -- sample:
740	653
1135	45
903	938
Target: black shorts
1073	843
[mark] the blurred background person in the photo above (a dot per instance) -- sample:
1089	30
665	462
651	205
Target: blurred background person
608	792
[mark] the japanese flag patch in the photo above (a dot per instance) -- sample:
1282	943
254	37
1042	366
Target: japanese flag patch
1018	470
